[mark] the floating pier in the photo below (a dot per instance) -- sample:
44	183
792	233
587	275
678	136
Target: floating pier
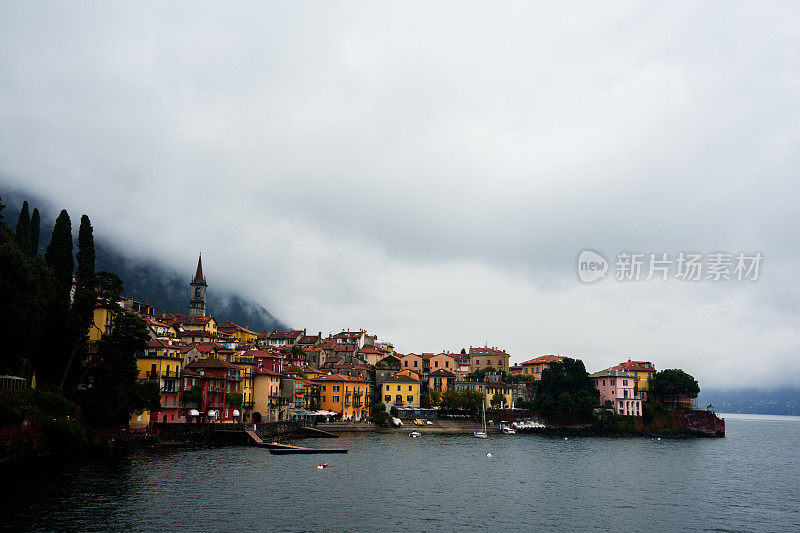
283	449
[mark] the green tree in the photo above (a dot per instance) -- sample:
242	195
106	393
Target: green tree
497	400
25	301
379	408
566	390
85	295
234	399
674	384
115	393
35	230
23	228
59	257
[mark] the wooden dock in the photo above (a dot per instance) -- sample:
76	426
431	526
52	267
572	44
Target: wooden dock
283	449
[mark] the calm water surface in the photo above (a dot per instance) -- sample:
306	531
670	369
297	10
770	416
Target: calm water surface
745	482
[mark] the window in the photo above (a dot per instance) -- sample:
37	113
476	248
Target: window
386	387
398	387
436	364
409	387
322	398
398	399
477	361
415	364
387	399
323	388
335	399
405	363
447	364
624	381
409	398
336	388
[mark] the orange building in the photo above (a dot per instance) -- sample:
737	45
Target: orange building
347	395
534	367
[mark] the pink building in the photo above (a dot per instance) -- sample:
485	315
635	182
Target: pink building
618	387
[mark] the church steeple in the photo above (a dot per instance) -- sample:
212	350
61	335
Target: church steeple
199	274
197	291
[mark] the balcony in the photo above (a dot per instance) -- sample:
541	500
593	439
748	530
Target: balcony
191	405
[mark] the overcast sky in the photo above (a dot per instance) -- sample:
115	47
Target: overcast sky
431	171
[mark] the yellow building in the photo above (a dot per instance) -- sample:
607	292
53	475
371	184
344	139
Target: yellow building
400	391
238	333
486	357
643	371
349	396
196	323
101	323
268	405
245	364
161	362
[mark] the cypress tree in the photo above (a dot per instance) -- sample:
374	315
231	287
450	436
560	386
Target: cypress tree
85	291
35	222
85	295
24	228
59	257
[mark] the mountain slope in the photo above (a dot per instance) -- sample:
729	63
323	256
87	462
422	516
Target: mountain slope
146	281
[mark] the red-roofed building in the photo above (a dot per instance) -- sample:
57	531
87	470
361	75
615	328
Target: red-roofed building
216	379
533	367
642	371
348	396
284	339
270	359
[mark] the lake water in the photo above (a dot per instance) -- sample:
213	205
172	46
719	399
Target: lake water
747	481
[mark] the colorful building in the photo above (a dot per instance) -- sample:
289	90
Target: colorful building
347	395
619	388
268	404
484	357
161	363
214	379
441	380
642	371
401	391
533	367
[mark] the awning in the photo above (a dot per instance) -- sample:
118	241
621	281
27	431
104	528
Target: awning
194	412
235	412
212	413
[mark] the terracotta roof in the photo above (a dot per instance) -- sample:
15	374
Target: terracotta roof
545	359
441	373
308	339
265	353
339	377
293	334
157	343
370	349
635	366
345	348
210	362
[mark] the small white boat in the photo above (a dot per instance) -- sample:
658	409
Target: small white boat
482	434
508	430
415	434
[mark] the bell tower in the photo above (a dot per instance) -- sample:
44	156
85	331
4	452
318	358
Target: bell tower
197	292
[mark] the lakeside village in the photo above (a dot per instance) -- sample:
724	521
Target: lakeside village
131	365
